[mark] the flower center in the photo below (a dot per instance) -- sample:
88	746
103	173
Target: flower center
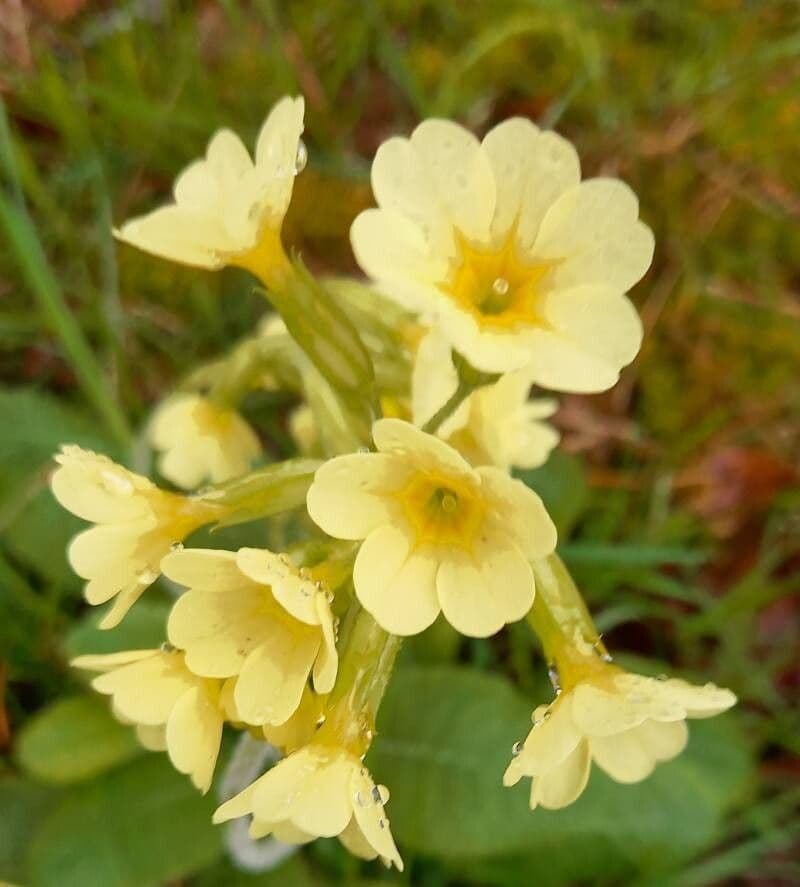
496	287
442	511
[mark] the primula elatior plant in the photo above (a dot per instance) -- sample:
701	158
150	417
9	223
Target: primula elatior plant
494	268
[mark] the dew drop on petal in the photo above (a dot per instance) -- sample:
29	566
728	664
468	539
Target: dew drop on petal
516	748
115	482
449	503
361	800
376	795
147	576
301	158
167	647
552	673
364	450
500	286
176	546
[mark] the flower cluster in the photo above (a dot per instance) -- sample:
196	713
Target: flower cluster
494	269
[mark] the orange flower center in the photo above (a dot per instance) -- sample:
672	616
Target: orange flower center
442	510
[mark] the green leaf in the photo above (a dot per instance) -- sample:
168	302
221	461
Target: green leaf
444	769
561	482
143	628
140	825
32	427
23	804
293	872
73	740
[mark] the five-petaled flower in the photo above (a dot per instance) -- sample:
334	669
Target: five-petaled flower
518	261
625	723
201	441
228	207
319	791
173	708
438	534
137	522
253	615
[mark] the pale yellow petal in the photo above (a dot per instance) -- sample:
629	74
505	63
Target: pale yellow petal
146	691
197	189
394	436
323	804
349	496
274	675
194	730
401	184
152	738
327	661
217	630
531	169
96	498
554	736
561	786
240	804
600	712
271	797
594	232
460	174
205	569
480	593
371	817
519	513
697	702
109	661
276	154
295	593
395	584
287	833
185	236
433	381
123	602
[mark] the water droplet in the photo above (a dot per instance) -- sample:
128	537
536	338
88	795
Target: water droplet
329	597
516	748
500	286
301	159
319	585
167	647
147	576
176	546
361	800
364	450
662	677
607	657
284	559
115	482
376	795
449	503
552	673
321	720
382	823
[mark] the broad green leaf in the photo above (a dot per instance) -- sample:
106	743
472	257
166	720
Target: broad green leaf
144	627
73	740
140	825
35	528
445	736
561	482
22	805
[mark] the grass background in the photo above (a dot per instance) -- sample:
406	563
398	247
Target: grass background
677	492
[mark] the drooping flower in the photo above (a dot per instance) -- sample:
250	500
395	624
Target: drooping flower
253	615
201	441
319	791
495	425
172	708
625	723
137	523
518	261
226	205
438	534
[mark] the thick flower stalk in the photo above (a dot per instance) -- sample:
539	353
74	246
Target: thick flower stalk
507	272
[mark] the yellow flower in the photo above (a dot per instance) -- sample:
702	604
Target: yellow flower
320	791
253	615
201	441
625	723
495	425
519	262
438	534
226	206
137	525
172	708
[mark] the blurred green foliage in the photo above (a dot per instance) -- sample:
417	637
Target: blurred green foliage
676	493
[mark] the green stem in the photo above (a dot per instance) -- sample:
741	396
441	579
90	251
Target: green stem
364	673
561	620
469	380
